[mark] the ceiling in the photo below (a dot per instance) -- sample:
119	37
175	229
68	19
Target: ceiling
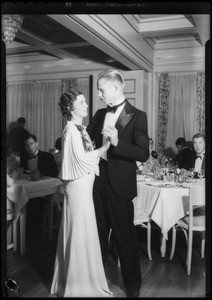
126	42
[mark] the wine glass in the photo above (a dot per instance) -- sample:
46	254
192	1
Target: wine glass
201	174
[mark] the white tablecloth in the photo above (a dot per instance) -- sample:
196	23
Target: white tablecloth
165	204
23	190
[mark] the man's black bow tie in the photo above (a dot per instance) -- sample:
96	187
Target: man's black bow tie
114	108
30	157
198	156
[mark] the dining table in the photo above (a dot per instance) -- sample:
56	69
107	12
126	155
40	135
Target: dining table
22	191
165	203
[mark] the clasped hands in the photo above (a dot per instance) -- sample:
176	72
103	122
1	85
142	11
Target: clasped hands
112	133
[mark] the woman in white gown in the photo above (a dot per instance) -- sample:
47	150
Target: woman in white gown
78	270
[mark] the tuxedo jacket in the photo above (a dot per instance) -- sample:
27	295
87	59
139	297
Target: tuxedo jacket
46	164
191	162
182	157
133	145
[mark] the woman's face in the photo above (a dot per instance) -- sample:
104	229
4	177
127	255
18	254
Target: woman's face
80	107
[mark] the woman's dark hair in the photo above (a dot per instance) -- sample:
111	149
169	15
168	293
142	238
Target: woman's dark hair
66	103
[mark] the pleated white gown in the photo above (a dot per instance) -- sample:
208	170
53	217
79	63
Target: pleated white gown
78	270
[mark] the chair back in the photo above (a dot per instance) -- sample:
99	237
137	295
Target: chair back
13	242
196	202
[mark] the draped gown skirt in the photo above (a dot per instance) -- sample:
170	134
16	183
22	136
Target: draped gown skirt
78	270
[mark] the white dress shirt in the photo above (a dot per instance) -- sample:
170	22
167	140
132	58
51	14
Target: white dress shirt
198	162
33	163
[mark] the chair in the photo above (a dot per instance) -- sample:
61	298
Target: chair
189	224
11	217
145	222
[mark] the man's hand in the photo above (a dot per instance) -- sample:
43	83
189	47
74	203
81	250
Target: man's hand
112	133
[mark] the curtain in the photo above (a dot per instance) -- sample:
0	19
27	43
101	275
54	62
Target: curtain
47	118
163	110
38	103
181	109
19	101
201	102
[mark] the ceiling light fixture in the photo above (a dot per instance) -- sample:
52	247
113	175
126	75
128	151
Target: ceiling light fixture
10	25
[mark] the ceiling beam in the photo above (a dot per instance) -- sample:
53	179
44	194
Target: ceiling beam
202	23
102	31
37	45
49	47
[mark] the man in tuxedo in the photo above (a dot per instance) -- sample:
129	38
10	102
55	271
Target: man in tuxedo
116	186
39	163
197	160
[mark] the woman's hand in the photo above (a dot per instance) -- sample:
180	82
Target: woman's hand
106	144
112	133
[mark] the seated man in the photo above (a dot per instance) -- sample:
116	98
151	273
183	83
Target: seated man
39	163
184	152
197	160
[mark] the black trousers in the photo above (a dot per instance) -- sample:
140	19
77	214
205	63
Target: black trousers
118	214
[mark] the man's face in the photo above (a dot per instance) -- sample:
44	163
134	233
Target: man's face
107	91
199	145
21	125
31	146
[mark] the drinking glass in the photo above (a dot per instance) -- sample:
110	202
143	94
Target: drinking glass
180	179
191	173
201	174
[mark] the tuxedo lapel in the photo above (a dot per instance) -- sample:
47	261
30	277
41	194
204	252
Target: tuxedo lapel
125	116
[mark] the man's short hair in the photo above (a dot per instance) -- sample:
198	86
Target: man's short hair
111	74
21	120
30	135
198	135
180	141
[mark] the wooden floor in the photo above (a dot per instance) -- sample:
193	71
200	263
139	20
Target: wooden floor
161	278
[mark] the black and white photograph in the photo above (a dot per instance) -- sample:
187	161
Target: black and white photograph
105	150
